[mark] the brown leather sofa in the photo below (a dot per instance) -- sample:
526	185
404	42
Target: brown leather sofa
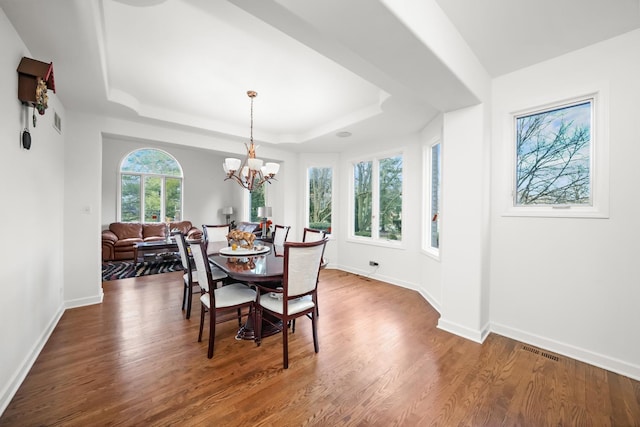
119	240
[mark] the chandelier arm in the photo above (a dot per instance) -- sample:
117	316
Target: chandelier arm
254	178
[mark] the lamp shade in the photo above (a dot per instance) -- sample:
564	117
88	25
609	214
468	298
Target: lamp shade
227	211
272	168
232	164
254	164
264	211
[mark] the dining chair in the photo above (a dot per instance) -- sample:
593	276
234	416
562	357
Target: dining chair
280	233
215	233
228	297
298	295
190	277
312	235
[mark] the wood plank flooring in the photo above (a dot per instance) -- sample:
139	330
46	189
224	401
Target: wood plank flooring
135	360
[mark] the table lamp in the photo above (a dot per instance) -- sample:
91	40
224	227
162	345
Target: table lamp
264	212
228	211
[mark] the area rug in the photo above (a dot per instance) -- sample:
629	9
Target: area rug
114	270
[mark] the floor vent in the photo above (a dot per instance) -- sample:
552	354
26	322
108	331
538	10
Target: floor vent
530	349
541	353
550	356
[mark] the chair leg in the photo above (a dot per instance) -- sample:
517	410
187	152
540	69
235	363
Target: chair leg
184	297
257	325
202	310
212	332
239	318
189	290
293	326
315	332
285	347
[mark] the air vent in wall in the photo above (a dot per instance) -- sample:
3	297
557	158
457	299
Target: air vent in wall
57	122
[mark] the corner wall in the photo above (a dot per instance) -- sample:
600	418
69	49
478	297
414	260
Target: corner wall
571	285
31	277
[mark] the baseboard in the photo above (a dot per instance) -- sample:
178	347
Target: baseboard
407	285
601	361
478	335
10	390
81	302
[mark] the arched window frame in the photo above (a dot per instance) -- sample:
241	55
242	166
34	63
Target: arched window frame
144	176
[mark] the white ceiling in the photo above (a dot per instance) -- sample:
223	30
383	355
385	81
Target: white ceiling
319	67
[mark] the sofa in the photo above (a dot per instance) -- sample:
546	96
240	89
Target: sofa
251	227
119	240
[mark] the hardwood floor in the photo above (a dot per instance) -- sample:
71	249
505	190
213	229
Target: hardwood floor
135	360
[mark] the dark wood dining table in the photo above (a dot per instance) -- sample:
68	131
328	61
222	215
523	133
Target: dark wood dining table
264	269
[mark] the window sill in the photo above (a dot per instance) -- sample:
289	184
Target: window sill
393	244
557	212
431	253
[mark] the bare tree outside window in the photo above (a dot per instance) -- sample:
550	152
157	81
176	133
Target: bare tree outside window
363	198
320	189
553	165
377	199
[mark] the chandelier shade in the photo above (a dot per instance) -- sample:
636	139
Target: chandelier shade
252	172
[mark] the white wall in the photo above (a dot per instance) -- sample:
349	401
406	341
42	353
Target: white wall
205	192
462	251
430	267
83	187
31	277
400	266
572	285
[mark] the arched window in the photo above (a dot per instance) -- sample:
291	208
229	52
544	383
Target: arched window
150	187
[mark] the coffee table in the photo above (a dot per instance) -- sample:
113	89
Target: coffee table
155	248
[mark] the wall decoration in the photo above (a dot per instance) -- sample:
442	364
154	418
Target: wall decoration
35	78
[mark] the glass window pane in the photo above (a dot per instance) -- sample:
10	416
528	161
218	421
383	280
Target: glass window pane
130	200
320	180
152	197
362	198
173	198
390	215
435	197
554	156
149	160
157	175
256	199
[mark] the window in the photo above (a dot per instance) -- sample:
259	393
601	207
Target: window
433	187
150	187
257	198
377	199
320	185
560	158
553	156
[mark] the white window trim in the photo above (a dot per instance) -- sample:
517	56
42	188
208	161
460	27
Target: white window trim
142	176
599	208
375	158
247	201
427	149
333	194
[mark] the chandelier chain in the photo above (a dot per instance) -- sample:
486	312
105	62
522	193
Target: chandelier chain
250	173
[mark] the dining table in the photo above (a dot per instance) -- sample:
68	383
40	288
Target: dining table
265	267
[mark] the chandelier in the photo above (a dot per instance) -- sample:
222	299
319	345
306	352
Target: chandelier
250	173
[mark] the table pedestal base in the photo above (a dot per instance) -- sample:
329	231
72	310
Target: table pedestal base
247	331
